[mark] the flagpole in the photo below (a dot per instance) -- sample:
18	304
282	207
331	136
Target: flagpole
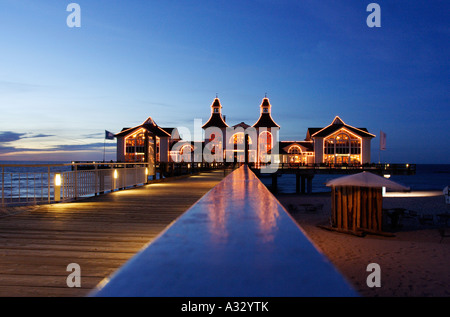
104	146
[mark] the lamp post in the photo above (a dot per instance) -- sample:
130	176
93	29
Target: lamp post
57	187
115	177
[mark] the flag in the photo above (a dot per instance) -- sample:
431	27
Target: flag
382	140
109	135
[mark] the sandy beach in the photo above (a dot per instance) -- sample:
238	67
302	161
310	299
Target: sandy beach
415	262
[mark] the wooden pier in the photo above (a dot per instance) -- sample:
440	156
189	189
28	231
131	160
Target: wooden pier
99	233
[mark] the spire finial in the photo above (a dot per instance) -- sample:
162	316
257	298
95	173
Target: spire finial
217	95
265	95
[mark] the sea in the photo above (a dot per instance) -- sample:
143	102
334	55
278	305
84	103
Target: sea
428	177
18	181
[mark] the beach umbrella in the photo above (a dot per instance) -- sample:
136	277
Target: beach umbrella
366	179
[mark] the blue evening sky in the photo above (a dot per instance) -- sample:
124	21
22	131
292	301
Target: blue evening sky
61	87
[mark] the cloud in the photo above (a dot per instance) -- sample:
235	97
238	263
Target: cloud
9	136
96	135
84	147
41	135
6	137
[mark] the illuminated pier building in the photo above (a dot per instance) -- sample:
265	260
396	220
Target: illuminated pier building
337	143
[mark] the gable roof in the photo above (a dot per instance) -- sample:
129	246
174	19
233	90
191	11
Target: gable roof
306	146
338	124
148	125
175	135
241	125
310	132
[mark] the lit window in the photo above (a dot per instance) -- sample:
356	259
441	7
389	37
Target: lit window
294	150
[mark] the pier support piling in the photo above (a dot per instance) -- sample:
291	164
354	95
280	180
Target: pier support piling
274	182
309	184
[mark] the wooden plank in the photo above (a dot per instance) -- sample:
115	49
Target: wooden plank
354	210
339	207
99	233
344	208
333	206
350	206
380	209
363	207
358	207
40	291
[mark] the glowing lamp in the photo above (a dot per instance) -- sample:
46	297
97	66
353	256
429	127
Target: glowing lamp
57	187
387	176
115	174
57	179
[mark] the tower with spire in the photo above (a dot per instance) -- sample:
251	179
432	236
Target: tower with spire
267	131
215	128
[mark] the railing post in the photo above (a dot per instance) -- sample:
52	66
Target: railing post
3	186
76	181
96	187
48	183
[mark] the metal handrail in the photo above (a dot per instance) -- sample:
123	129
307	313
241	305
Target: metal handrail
236	241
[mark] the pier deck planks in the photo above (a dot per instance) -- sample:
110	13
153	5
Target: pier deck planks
99	233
